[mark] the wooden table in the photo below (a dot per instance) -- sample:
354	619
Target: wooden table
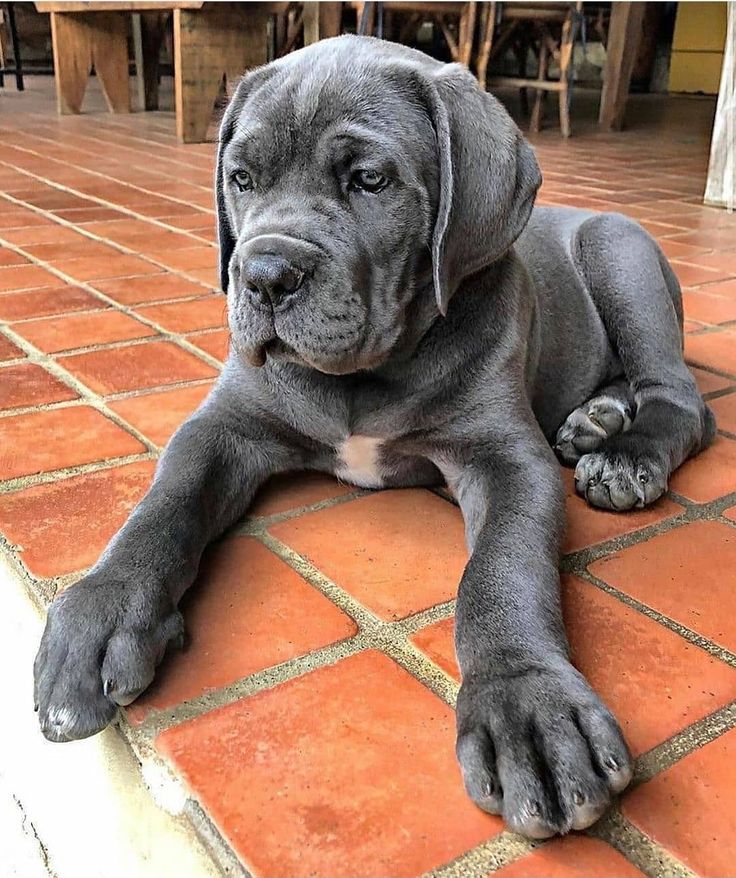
210	40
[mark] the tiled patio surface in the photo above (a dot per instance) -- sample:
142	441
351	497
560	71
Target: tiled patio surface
311	716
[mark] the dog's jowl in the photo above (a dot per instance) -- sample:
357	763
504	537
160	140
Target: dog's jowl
402	314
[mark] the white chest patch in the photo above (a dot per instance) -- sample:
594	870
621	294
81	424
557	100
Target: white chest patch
358	462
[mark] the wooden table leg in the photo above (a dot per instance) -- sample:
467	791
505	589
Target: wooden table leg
624	33
85	39
220	39
72	60
153	27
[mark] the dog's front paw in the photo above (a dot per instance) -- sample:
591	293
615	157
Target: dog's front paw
541	749
620	480
102	642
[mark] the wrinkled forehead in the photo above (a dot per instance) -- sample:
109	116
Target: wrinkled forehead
321	111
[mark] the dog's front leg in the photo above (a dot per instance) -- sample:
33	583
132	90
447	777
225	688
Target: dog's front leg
105	635
534	741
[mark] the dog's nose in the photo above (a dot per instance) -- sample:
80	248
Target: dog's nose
270	278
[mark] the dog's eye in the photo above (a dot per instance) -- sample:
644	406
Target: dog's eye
368	181
243	180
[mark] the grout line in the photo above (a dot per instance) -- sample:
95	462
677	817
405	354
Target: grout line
654	861
100	202
70	380
177	338
486	858
19	483
665	754
158	720
692	637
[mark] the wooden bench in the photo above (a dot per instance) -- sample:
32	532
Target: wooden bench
210	40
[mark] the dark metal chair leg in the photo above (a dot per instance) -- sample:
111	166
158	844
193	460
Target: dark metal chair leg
16	46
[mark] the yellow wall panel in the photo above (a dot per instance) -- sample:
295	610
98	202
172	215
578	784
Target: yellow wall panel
695	71
700	27
697	48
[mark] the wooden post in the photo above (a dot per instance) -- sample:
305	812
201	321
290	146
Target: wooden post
624	33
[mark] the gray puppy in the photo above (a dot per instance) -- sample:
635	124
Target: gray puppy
386	328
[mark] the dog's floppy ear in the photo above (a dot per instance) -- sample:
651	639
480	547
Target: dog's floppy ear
225	234
489	178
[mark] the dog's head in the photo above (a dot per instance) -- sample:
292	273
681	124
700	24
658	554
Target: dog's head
355	177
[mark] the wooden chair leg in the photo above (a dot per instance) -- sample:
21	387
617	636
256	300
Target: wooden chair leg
109	34
219	39
567	46
521	50
487	31
330	20
70	35
466	33
541	95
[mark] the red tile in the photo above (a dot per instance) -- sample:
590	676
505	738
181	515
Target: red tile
689	577
708	382
53	334
216	344
209	276
23	277
293	490
9	351
724	409
694	275
239	625
188	316
10	257
397	552
710	474
157	415
187	258
59	438
690	809
573	857
42	303
96	267
63	251
587	526
676	250
150	288
708	307
716	350
336	797
63	526
136	367
655	682
438	643
29	385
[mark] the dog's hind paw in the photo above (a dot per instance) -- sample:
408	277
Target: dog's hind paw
618	481
587	427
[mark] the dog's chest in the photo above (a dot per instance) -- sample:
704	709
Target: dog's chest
358	461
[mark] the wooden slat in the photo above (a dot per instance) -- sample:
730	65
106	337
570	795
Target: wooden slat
114	6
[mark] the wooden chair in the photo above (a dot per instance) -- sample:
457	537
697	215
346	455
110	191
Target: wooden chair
7	18
456	21
550	31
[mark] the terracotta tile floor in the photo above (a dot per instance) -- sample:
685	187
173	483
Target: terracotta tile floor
310	719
